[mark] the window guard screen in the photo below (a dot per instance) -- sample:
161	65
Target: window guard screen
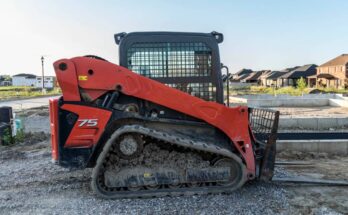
177	59
188	60
204	91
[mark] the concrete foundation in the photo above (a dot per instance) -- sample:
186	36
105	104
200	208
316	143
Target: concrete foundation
339	102
308	100
313	123
294	102
333	147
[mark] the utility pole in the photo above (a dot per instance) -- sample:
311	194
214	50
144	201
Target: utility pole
43	74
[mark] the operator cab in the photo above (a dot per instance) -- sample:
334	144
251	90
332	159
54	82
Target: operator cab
189	62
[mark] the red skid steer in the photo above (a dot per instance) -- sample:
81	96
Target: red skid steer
157	125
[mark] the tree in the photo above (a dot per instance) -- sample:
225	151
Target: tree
301	84
7	78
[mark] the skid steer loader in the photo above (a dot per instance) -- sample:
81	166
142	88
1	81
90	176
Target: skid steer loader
156	124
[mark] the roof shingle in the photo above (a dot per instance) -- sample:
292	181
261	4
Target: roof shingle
303	71
340	60
25	75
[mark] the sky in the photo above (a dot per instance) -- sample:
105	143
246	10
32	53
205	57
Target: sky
267	34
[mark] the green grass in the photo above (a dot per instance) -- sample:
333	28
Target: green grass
334	90
11	88
11	92
254	90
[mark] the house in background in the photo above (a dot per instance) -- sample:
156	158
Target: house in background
333	73
241	74
4	81
24	79
273	79
253	77
49	82
290	69
264	76
290	78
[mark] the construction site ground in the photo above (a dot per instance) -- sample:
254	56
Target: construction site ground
31	184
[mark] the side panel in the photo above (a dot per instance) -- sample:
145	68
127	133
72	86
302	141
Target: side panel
73	140
89	127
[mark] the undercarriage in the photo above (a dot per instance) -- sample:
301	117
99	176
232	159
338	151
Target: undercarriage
166	165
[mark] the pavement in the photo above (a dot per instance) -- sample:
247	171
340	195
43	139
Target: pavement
22	104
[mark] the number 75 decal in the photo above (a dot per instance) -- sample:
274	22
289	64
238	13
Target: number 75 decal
88	122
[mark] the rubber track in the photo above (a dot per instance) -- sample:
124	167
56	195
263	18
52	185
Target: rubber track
176	140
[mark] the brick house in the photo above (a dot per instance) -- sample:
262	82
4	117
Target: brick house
264	76
241	74
273	80
253	77
333	73
290	78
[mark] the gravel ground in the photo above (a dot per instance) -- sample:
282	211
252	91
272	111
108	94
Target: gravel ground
326	199
35	119
31	184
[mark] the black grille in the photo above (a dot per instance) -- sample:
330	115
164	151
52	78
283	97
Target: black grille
170	59
264	123
186	66
204	91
